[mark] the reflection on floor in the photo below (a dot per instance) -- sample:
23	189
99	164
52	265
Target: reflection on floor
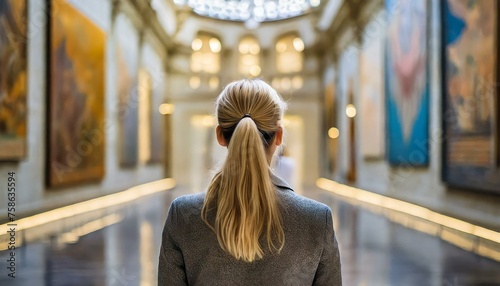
374	251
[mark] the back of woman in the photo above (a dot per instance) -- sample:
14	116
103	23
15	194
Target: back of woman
249	228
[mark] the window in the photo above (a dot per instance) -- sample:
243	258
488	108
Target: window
206	54
289	54
249	63
205	59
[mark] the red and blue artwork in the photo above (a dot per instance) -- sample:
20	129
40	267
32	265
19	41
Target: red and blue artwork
406	82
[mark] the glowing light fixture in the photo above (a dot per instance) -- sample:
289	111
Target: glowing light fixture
196	44
350	110
333	133
215	45
298	44
166	108
250	10
255	70
280	47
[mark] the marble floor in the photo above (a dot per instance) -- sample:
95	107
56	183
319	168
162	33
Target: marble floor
374	251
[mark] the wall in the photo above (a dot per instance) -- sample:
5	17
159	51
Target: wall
420	185
32	193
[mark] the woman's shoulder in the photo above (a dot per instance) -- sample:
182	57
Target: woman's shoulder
304	205
188	205
189	200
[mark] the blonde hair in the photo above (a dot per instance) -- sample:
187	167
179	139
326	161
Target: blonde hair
242	194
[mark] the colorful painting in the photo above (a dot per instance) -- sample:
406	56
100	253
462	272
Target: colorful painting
406	84
372	110
470	88
13	79
77	73
127	52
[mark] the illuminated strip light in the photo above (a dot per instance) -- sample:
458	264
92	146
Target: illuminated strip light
422	213
126	196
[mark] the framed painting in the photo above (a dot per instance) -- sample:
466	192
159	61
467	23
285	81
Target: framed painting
76	101
127	53
371	101
470	94
406	84
13	79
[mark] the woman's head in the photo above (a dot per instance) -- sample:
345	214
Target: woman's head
248	100
242	193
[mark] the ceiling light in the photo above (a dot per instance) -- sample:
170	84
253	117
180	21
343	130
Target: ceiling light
250	10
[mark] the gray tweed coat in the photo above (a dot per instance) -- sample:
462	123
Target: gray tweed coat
191	255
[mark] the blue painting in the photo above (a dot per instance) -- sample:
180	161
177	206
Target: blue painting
406	84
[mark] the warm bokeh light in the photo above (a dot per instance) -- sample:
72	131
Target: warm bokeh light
350	110
215	45
333	133
255	70
255	49
243	48
280	47
203	120
166	108
194	82
196	44
298	44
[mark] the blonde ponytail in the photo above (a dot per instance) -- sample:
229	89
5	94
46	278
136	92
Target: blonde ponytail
241	194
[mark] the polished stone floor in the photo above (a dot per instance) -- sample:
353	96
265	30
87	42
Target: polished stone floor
374	251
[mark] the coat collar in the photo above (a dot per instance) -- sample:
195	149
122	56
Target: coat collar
280	183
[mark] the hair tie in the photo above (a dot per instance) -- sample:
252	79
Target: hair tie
246	115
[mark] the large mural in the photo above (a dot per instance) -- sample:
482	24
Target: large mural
470	89
13	79
406	84
77	56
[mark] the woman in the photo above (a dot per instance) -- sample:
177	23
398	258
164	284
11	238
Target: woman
249	228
